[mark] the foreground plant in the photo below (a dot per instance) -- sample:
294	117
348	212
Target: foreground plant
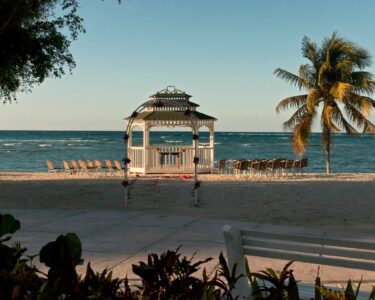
19	278
166	276
275	285
336	82
170	276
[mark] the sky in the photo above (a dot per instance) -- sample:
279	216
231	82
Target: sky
223	52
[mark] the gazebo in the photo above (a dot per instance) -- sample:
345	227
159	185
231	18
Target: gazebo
170	108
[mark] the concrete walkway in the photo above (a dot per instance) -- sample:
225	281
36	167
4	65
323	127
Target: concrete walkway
116	239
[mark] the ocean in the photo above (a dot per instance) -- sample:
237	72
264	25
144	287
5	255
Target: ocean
28	150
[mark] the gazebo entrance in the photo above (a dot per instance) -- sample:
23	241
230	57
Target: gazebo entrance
170	108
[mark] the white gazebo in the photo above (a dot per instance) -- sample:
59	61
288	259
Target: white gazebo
170	108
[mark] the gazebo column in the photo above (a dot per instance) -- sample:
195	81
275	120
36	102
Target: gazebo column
130	140
212	145
146	144
196	144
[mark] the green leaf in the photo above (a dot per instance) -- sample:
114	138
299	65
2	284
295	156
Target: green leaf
8	224
66	251
372	295
318	286
349	292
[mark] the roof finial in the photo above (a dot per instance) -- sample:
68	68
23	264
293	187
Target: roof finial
171	88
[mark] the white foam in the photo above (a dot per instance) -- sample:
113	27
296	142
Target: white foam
173	141
45	145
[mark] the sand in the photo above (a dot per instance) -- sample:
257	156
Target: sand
342	204
339	202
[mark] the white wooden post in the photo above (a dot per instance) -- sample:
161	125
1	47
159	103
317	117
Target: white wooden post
130	140
146	144
196	190
212	144
235	255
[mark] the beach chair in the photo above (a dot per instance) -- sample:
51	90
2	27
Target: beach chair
304	163
300	165
67	167
118	167
241	168
221	166
99	166
83	167
230	166
51	167
108	165
236	165
90	165
274	166
289	165
75	166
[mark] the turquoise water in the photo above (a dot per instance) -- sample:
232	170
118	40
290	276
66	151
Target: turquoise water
28	150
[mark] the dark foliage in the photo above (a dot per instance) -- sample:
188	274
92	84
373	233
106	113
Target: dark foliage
170	276
35	36
164	276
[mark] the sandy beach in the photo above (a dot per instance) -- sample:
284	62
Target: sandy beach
338	205
338	202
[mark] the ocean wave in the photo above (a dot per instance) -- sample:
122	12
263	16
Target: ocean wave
45	145
246	145
11	144
217	143
173	141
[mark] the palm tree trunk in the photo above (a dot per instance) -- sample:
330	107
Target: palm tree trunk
328	152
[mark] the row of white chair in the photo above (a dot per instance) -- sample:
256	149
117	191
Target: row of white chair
86	167
259	167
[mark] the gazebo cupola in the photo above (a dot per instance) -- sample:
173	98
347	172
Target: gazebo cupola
170	108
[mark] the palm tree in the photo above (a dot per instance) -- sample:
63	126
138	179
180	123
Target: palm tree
335	80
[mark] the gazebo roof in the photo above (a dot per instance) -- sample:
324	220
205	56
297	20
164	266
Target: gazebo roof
170	104
170	97
172	115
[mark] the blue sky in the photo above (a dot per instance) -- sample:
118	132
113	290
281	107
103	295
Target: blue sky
221	52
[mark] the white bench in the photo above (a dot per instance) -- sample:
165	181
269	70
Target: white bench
322	251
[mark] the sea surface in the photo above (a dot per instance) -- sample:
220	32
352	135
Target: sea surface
28	150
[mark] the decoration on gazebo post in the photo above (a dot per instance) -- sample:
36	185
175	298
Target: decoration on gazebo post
126	161
169	107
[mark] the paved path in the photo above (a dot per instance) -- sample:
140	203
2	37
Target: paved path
116	239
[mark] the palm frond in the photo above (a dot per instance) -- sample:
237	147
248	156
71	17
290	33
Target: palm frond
310	51
362	103
291	78
326	118
308	74
291	102
323	76
302	132
359	119
313	99
362	82
296	117
340	90
341	122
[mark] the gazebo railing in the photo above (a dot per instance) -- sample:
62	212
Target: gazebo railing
136	156
170	158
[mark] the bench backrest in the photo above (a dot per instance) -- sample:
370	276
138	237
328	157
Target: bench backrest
339	253
332	252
